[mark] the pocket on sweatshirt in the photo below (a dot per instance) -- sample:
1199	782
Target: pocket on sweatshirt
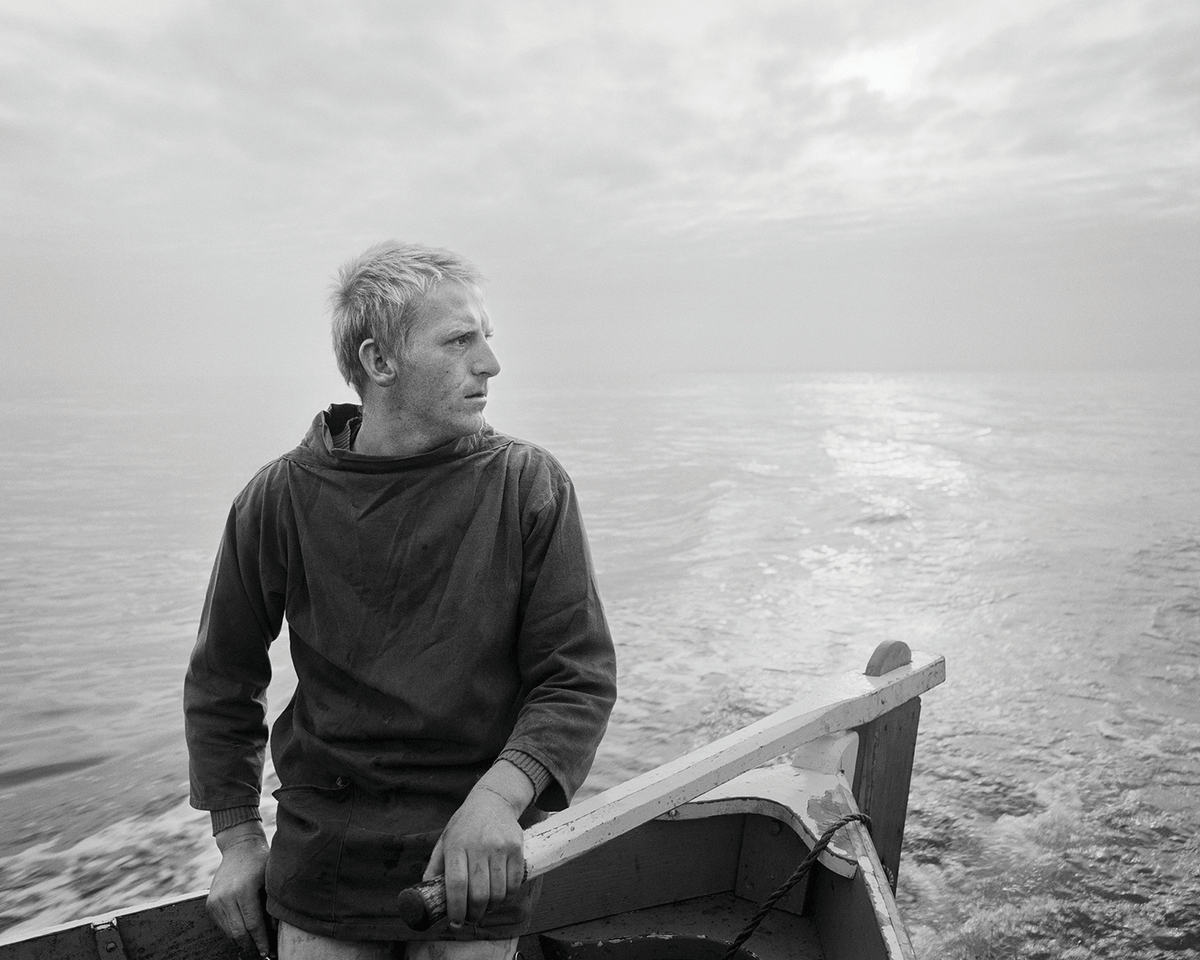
310	825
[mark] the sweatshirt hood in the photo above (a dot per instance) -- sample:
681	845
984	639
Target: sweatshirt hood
317	449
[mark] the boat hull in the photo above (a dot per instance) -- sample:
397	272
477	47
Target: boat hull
680	887
621	884
685	885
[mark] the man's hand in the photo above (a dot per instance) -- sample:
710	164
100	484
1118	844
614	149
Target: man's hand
234	900
481	852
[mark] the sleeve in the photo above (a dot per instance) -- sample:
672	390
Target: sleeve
565	650
538	775
225	687
232	816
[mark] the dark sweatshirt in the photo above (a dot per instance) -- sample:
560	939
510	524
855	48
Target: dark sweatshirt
442	610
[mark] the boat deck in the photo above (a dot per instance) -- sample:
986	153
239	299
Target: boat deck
697	929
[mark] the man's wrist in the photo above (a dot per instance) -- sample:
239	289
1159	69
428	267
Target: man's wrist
514	805
508	782
248	830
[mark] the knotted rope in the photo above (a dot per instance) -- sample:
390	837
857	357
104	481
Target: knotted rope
782	890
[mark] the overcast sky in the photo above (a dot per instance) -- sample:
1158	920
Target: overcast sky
777	184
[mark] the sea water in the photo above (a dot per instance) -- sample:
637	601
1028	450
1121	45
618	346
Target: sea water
749	531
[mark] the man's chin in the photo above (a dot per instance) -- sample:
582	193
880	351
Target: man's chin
471	424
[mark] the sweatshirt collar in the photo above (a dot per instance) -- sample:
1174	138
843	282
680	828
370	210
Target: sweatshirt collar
318	445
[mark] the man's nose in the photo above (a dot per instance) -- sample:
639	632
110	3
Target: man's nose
487	365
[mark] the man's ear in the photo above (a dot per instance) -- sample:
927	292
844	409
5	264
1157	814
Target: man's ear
379	366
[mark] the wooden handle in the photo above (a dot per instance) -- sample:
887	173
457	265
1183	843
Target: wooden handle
423	905
829	705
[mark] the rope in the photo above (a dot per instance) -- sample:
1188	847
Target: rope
782	890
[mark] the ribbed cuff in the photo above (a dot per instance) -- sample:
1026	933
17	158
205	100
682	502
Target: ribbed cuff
224	819
538	775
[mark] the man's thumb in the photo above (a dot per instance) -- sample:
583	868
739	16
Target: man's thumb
437	862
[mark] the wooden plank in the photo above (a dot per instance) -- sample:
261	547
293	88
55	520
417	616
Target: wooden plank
830	705
770	855
75	941
180	931
796	798
656	863
694	851
883	776
879	893
846	923
824	707
858	919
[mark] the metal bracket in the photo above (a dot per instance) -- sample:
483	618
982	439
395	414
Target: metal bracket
109	945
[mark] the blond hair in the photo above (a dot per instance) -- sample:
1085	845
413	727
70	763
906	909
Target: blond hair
374	294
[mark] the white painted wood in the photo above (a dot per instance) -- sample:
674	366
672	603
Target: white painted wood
837	753
825	707
800	799
879	890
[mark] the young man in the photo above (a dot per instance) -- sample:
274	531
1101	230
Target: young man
455	671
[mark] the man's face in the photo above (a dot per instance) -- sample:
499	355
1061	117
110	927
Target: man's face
445	366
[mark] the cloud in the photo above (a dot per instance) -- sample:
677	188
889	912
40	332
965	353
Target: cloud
702	115
173	145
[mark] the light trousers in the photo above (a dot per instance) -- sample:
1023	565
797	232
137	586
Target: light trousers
297	944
